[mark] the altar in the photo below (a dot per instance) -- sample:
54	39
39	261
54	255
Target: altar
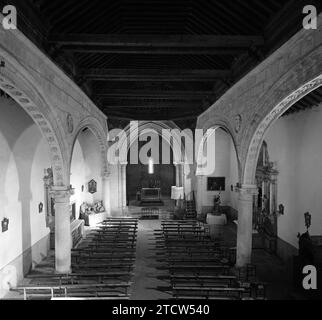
151	196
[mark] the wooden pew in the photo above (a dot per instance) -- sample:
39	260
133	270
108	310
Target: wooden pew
180	292
74	290
105	249
192	260
199	269
92	298
98	277
103	266
203	280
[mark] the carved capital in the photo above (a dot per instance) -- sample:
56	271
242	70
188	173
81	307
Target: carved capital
61	194
246	192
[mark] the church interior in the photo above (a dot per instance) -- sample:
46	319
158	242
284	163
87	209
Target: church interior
98	203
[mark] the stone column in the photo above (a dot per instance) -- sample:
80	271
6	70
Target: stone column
176	165
106	192
245	224
123	183
63	241
179	174
199	193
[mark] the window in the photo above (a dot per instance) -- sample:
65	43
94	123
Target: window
151	166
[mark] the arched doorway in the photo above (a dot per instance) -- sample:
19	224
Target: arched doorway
88	178
217	196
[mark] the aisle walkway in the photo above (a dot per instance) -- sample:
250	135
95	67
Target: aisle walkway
150	282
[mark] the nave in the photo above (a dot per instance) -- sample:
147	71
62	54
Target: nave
160	149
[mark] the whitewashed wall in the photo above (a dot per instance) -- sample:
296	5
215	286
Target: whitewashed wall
295	143
24	155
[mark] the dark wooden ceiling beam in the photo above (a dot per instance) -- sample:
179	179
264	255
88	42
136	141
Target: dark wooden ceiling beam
158	41
153	94
149	105
151	50
154	74
149	116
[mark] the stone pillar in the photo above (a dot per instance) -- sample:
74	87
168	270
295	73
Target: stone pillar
63	241
179	174
176	165
123	183
106	192
199	193
245	224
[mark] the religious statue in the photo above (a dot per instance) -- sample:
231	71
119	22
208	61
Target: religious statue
86	208
307	218
98	207
306	250
217	204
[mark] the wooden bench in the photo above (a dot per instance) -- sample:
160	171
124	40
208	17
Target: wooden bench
199	268
87	259
203	279
206	292
99	277
107	266
189	260
75	289
103	255
106	250
121	297
109	241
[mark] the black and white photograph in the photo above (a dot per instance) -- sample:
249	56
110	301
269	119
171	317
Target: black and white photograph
163	157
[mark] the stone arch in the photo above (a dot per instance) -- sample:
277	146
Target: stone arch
28	97
158	126
98	131
266	123
226	126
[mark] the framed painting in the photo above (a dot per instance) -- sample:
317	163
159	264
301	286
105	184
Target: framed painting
216	183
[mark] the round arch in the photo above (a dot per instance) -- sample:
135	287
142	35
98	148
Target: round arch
215	123
22	90
268	121
157	126
98	131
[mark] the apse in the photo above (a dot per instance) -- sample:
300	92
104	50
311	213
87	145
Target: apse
150	174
